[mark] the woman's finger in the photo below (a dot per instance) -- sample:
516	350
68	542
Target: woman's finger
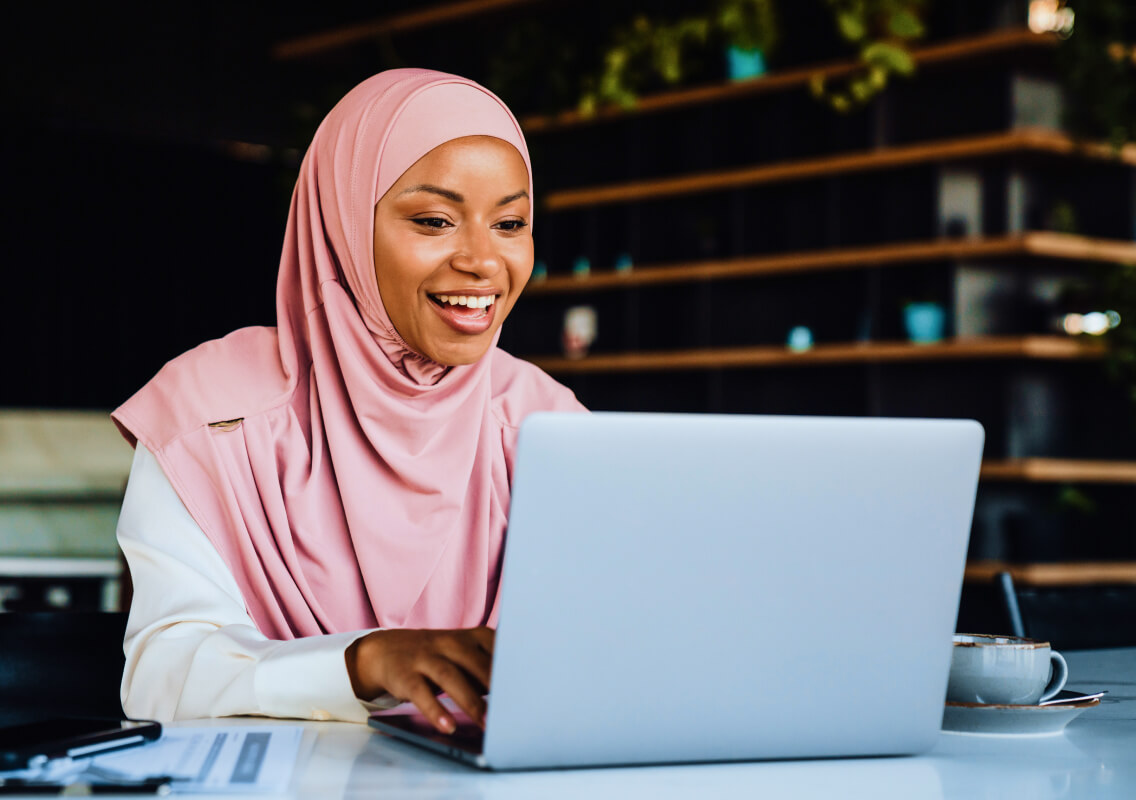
471	657
422	695
454	681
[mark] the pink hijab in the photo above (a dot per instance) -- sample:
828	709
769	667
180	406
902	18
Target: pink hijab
348	482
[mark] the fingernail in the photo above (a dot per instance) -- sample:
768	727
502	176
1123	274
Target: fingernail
446	724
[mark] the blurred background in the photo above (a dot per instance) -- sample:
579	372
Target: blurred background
849	207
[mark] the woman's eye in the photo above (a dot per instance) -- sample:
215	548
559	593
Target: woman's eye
512	225
431	222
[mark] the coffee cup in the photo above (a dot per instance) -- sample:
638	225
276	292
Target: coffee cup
1004	670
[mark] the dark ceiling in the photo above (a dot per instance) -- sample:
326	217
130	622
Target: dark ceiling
179	72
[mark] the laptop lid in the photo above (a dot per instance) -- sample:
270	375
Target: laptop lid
682	588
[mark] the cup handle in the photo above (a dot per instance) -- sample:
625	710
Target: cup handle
1058	675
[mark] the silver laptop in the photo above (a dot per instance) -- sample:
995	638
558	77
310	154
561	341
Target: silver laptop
684	588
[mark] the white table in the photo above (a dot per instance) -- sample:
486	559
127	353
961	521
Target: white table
1094	758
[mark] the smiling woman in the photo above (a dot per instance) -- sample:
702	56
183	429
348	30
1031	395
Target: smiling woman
316	513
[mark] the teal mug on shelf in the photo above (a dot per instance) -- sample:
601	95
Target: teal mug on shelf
744	64
924	322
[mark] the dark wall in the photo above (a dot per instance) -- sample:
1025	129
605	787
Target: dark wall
120	254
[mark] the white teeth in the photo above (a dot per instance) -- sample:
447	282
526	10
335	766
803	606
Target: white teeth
470	301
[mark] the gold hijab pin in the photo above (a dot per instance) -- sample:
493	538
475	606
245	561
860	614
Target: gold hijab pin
227	424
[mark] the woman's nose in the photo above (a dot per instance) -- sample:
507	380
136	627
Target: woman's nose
478	255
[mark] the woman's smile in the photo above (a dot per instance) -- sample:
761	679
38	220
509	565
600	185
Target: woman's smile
470	313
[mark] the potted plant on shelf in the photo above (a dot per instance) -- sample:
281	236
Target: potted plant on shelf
654	50
657	51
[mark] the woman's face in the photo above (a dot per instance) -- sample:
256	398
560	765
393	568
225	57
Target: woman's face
453	247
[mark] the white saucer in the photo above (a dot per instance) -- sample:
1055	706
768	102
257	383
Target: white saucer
995	720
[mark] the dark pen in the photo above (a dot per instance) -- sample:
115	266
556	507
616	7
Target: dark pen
156	786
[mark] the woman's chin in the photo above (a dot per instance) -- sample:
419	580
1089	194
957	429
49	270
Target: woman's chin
459	354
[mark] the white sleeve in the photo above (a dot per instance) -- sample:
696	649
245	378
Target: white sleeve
191	648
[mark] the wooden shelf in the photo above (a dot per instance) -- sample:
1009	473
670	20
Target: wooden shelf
1059	470
304	46
971	47
1017	142
1070	573
1058	348
1041	244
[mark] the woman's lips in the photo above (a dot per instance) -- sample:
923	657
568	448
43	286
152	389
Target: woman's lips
468	314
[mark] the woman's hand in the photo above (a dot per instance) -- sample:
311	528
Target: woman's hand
417	665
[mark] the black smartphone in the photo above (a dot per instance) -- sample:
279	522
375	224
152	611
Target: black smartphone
31	743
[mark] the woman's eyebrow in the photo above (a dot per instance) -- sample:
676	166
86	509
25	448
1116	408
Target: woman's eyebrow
504	201
426	187
457	198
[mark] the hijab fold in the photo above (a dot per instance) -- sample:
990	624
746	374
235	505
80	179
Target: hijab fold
364	485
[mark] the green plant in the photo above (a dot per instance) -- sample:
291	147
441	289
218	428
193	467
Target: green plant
1070	499
881	31
658	50
1062	217
1098	67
